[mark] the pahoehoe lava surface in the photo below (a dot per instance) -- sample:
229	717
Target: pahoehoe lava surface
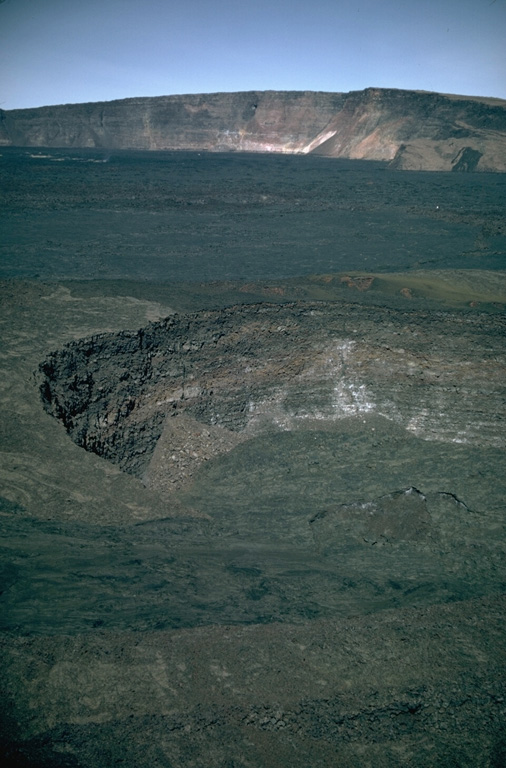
256	523
180	216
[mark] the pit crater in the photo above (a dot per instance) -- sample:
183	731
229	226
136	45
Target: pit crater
162	400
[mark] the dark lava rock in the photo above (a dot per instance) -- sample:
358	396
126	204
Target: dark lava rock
251	368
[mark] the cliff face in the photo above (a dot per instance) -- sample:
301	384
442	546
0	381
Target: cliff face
413	130
250	122
239	371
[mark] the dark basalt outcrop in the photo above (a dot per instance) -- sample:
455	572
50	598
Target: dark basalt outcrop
413	130
234	373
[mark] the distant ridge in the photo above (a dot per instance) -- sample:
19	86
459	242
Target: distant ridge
412	130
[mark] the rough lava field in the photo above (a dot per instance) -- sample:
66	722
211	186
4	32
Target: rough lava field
253	485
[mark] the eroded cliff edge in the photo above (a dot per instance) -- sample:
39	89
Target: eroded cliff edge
227	375
413	130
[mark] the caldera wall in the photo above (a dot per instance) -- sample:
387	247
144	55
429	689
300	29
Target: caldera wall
413	130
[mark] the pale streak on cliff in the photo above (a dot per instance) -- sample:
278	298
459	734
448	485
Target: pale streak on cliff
316	142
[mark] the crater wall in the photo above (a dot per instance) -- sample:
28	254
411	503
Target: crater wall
247	369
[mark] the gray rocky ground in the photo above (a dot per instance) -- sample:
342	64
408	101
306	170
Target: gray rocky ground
284	544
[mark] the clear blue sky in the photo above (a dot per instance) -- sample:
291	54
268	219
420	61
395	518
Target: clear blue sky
63	51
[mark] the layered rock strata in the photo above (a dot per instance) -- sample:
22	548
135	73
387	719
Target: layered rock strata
414	130
189	387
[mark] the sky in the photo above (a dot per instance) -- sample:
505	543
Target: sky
72	51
